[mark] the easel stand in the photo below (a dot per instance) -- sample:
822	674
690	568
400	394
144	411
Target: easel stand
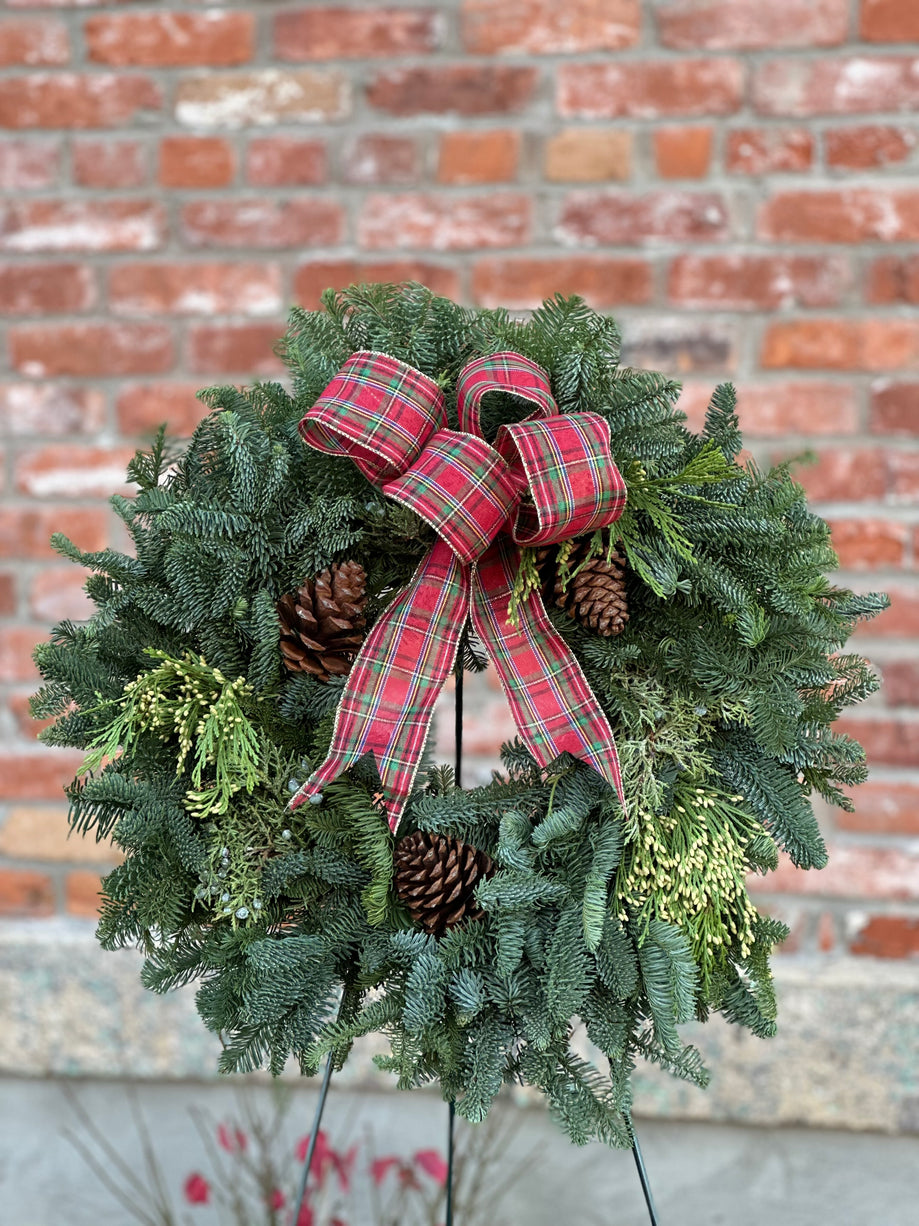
451	1117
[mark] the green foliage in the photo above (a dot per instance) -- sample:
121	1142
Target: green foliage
722	692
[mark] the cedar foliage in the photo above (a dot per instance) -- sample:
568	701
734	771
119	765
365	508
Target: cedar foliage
722	690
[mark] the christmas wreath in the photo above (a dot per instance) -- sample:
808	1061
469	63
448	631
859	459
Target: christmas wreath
307	571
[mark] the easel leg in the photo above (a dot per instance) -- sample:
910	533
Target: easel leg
451	1119
314	1137
643	1176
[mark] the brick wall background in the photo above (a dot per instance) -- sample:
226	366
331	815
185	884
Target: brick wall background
736	180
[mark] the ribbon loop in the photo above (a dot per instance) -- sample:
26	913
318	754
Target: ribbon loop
547	478
502	372
573	485
378	412
461	487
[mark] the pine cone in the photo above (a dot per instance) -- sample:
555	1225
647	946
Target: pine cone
435	877
596	595
322	623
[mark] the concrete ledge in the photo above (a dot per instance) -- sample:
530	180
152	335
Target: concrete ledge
846	1055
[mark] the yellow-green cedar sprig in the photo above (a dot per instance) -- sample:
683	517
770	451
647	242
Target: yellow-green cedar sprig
187	701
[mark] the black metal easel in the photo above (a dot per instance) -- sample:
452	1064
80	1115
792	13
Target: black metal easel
451	1117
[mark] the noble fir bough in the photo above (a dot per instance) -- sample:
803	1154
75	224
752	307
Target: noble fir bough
552	909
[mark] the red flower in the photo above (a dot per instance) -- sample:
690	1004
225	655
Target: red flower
344	1165
305	1217
232	1142
433	1164
197	1189
326	1158
379	1168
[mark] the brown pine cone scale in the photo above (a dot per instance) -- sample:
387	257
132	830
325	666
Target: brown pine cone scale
593	592
435	877
322	622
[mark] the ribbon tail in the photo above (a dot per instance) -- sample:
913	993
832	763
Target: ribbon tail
553	706
388	701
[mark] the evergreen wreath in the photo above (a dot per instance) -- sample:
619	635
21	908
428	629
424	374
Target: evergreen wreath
721	690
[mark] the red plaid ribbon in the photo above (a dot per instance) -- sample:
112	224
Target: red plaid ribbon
546	479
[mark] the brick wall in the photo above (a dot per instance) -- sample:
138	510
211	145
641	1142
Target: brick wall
737	180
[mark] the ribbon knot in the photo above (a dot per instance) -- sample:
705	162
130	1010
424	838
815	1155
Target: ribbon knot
545	479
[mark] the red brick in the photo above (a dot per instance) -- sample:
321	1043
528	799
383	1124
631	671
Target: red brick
827	938
887	936
81	225
753	282
28	165
845	474
836	86
588	155
285	161
7	594
491	27
64	470
680	345
109	163
901	620
222	348
47	350
883	808
25	894
650	89
16	646
37	774
47	409
889	21
71	100
328	33
170	40
850	215
762	151
683	153
864	148
196	161
869	544
445	223
462	89
315	222
842	344
143	407
901	689
478	157
83	893
45	289
903	479
894	278
265	96
25	531
375	158
852	872
888	742
770	410
33	40
895	408
195	289
56	594
312	278
750	25
595	217
524	282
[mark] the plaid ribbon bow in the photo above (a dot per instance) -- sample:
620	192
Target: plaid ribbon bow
544	480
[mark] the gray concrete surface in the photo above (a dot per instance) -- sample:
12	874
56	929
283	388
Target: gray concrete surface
702	1174
846	1055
